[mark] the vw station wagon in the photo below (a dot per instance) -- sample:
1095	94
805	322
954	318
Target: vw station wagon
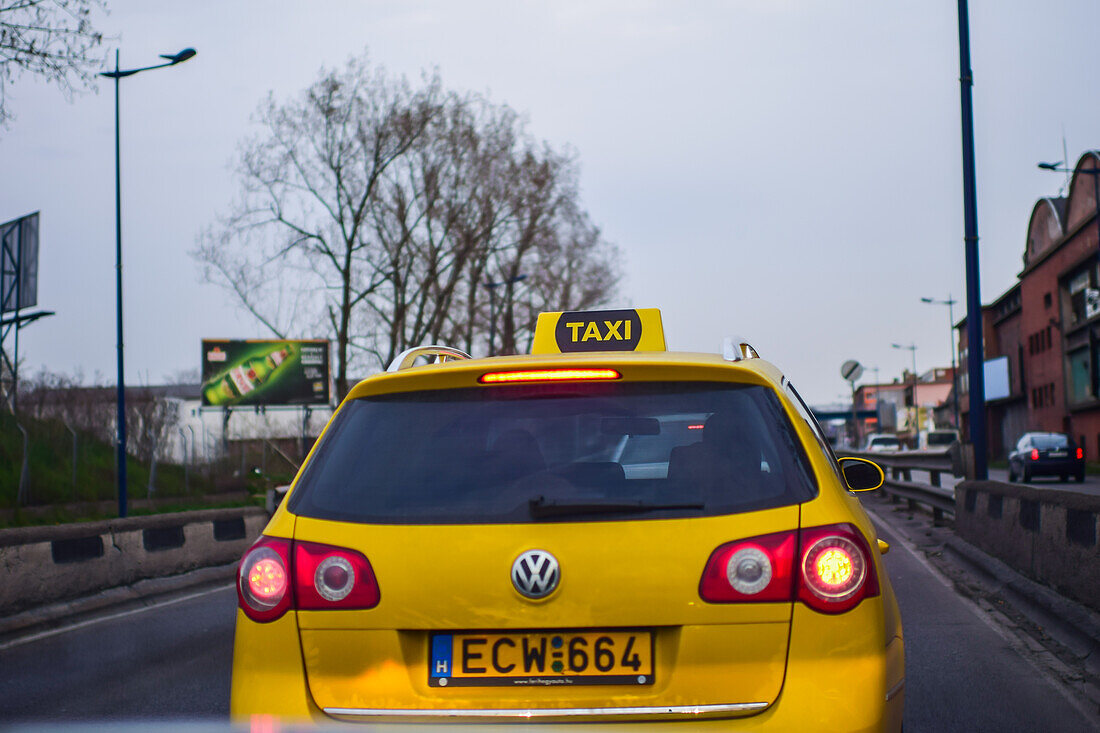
601	531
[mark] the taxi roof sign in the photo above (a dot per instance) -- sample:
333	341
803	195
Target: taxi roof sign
637	329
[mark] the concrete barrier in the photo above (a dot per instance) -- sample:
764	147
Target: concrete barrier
40	565
1045	534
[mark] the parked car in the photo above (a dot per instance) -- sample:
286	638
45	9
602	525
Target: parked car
880	443
1046	454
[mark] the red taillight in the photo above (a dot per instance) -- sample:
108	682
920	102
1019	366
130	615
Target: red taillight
332	577
834	570
548	375
756	569
323	577
1034	454
1080	453
263	580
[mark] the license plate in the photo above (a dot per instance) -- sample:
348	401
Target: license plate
1057	454
541	658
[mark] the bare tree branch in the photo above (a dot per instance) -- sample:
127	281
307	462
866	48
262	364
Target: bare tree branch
54	40
379	211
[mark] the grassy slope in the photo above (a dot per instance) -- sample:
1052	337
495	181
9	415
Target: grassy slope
51	468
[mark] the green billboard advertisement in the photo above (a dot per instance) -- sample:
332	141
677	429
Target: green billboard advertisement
264	372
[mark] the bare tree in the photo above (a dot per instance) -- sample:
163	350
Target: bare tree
51	39
440	213
378	212
150	414
292	251
150	420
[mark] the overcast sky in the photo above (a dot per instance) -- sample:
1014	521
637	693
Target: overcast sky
784	170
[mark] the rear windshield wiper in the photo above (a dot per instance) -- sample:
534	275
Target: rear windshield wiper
543	508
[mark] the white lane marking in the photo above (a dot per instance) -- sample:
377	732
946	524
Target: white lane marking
99	619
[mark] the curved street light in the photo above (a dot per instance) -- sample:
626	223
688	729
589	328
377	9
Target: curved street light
1094	172
493	307
950	303
912	348
171	60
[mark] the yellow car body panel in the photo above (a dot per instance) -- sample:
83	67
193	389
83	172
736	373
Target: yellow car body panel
803	669
268	675
752	640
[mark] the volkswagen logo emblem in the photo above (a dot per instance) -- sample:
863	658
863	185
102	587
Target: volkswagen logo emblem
535	573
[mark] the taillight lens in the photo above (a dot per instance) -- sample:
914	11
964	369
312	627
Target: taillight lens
263	580
321	577
1080	453
828	568
332	577
835	569
752	570
1034	454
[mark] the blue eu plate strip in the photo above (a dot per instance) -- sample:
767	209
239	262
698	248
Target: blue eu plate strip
441	655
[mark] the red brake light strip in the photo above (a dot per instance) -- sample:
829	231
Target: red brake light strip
548	375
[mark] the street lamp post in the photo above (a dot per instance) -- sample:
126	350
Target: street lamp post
493	308
974	368
1094	172
117	74
912	348
950	303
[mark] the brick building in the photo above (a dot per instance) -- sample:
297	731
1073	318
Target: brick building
1047	325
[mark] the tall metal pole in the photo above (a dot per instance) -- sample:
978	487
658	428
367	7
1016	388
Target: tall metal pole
976	350
916	405
121	457
954	360
492	318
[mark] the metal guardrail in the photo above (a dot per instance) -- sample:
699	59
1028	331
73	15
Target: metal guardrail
899	482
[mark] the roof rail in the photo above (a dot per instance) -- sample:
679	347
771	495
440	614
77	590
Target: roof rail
408	357
735	348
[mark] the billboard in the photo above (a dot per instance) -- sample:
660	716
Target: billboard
19	263
264	372
995	372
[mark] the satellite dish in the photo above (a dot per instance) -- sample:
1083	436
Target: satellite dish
851	370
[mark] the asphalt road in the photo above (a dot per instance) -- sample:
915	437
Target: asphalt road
167	661
962	672
1091	484
172	661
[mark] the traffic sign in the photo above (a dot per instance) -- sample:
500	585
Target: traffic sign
851	370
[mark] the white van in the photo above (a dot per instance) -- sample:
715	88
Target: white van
881	443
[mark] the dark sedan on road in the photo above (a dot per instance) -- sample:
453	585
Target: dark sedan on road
1046	454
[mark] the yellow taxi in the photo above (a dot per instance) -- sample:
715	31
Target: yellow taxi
600	531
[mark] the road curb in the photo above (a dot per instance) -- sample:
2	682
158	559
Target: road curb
1070	623
53	564
142	593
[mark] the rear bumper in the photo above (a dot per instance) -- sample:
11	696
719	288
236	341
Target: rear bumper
837	678
1055	467
669	712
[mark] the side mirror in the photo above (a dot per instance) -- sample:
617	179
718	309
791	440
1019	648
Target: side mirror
861	474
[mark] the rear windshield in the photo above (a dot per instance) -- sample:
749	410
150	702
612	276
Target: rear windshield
885	442
562	452
1049	442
